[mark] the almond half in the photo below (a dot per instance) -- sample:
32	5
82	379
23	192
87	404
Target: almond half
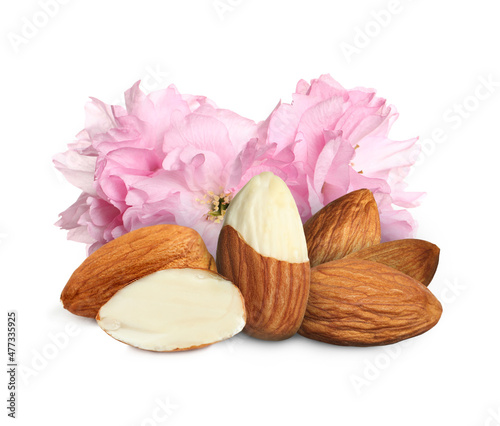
362	303
417	258
174	310
347	224
128	258
262	249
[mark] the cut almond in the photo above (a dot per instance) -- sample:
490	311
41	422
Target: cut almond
417	258
262	249
174	310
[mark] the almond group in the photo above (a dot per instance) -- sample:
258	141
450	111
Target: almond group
331	279
363	292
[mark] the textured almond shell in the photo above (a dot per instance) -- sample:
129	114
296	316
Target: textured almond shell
275	291
347	224
362	303
128	258
417	258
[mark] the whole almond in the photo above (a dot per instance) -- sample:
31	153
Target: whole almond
362	303
417	258
128	258
262	249
347	224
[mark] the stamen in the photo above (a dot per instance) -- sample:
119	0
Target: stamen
218	204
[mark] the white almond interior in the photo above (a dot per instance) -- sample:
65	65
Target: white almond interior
265	215
174	309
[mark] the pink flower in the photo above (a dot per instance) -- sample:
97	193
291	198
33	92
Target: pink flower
166	158
173	158
340	142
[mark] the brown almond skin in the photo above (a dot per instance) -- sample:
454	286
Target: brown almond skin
128	258
362	303
275	291
347	224
417	258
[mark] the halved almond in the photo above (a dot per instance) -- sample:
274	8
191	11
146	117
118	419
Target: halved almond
174	310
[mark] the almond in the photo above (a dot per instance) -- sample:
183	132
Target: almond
362	303
417	258
262	249
128	258
174	310
347	224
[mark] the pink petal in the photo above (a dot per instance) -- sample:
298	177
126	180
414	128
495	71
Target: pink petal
77	169
203	133
99	117
239	129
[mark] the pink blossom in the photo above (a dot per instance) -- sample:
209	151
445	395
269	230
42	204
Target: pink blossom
166	158
173	158
340	142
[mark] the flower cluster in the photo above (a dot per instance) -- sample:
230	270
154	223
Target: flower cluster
173	158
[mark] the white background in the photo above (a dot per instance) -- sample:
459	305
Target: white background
429	58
